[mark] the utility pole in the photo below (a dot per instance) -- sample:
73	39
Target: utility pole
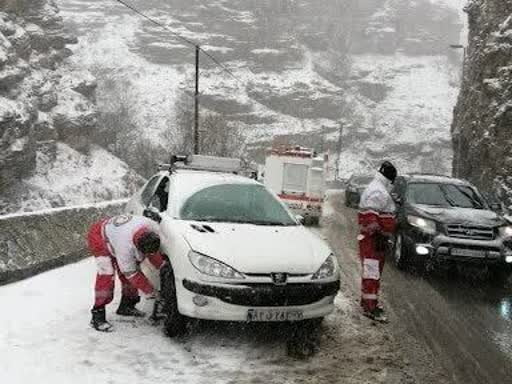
338	150
196	106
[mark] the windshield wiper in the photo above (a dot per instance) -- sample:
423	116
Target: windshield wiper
447	198
475	202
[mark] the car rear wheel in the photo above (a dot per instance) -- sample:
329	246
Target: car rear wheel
401	254
175	324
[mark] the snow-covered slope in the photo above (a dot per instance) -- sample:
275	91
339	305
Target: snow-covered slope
45	101
294	75
71	178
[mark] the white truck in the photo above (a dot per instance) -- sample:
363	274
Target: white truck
296	175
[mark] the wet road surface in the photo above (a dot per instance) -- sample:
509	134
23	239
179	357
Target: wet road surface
463	325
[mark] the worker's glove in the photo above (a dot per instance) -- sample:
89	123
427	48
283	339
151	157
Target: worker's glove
383	242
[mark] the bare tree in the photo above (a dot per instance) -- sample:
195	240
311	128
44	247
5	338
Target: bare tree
117	128
217	135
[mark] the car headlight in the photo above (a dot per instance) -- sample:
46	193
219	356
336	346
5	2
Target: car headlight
506	231
211	267
326	270
427	226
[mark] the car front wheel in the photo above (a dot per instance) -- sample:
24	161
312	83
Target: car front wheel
304	339
400	252
175	324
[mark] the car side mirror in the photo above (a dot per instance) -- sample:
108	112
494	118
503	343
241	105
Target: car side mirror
300	219
152	214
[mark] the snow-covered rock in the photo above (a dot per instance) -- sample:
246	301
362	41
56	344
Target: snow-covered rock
44	101
483	115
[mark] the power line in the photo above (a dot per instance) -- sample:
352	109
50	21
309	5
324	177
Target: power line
188	41
156	22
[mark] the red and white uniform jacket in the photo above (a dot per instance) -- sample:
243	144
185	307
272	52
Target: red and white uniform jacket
120	234
377	208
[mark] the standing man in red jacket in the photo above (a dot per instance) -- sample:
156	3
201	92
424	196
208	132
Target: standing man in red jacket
377	224
119	244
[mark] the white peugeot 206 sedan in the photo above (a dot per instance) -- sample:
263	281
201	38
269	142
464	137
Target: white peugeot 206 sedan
236	253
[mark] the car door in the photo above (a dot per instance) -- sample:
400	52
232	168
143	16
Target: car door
142	199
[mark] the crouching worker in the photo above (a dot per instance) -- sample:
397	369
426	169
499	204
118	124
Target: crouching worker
119	244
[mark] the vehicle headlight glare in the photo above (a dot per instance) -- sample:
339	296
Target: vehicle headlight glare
327	269
211	267
427	226
506	231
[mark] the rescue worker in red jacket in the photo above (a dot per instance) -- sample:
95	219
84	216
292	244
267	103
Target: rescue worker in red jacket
119	244
377	224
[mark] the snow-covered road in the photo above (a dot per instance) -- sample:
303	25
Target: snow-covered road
44	333
45	337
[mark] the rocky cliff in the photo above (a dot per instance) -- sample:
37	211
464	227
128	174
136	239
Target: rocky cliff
482	131
47	108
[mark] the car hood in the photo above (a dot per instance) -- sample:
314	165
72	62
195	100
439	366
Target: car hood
466	216
258	249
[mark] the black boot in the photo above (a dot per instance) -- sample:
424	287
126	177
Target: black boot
376	314
127	307
98	321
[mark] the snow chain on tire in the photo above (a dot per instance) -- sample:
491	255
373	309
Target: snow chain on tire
175	324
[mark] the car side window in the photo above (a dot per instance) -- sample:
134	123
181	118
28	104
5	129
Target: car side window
147	193
161	196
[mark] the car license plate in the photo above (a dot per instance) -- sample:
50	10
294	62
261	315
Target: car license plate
468	253
273	315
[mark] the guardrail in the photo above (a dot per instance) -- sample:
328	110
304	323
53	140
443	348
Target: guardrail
34	242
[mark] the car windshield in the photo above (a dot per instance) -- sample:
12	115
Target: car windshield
236	203
444	195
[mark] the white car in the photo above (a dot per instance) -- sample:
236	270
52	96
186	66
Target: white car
236	252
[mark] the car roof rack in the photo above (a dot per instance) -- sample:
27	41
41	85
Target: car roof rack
202	163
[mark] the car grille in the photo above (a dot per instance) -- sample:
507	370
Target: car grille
470	232
267	295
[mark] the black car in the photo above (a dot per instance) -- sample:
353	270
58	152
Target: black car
443	220
356	184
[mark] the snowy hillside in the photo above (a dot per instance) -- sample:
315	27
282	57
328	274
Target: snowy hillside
48	117
294	75
72	178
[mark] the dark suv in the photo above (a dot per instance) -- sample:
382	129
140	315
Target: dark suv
446	220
